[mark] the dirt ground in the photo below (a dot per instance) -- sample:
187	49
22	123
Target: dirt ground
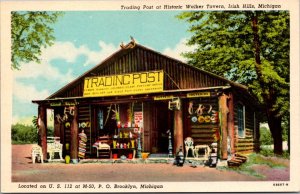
24	171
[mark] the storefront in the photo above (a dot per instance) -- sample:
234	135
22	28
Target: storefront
137	96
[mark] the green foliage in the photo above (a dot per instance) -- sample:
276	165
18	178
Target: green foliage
231	44
50	131
272	162
270	153
265	136
256	159
35	122
30	32
23	134
224	45
285	127
26	134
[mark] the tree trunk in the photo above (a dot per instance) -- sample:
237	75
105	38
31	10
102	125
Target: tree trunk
267	91
276	131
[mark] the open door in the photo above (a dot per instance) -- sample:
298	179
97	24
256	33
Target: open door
163	121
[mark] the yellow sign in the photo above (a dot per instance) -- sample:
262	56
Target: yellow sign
198	94
163	97
124	84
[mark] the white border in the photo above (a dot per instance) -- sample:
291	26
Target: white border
228	186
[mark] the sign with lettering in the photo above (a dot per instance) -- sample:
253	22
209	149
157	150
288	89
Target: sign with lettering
138	119
124	84
198	94
62	103
55	104
163	97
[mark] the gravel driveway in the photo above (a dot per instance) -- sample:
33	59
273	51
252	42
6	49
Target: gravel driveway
24	171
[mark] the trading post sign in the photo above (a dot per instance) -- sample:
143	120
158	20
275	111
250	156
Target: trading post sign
124	84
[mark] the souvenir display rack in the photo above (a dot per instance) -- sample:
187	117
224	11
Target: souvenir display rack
125	143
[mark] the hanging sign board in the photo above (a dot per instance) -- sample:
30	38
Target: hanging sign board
62	103
198	94
163	97
124	84
55	104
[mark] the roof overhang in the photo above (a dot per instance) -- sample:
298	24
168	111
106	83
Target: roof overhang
138	96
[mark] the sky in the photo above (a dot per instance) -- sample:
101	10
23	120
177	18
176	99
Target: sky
83	40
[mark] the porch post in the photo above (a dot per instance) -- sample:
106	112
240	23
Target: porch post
178	130
224	111
74	137
231	123
42	123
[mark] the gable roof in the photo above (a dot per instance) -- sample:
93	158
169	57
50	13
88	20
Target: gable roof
126	50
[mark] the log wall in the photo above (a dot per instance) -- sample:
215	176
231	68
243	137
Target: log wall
250	142
204	132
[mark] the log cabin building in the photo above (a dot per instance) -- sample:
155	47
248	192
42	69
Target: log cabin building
154	94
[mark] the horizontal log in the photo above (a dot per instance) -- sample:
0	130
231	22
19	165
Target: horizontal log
85	116
204	141
207	131
244	148
244	144
244	140
246	152
199	126
194	136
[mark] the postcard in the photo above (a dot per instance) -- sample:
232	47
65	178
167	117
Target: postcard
149	96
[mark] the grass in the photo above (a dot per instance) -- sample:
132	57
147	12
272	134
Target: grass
270	153
256	159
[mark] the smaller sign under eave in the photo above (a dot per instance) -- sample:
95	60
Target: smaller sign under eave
198	94
62	104
163	97
124	84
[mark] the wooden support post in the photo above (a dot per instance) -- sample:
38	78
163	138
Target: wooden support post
231	123
42	123
223	111
74	137
178	130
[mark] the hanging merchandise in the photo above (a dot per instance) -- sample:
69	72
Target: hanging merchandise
216	135
100	119
199	110
82	144
201	119
108	114
210	109
83	125
59	119
67	125
190	109
214	116
207	119
88	124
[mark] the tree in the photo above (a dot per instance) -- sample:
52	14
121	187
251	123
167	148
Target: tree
30	32
249	47
21	133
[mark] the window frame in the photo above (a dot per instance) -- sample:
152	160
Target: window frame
241	108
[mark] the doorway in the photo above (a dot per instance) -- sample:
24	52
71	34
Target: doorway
162	123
